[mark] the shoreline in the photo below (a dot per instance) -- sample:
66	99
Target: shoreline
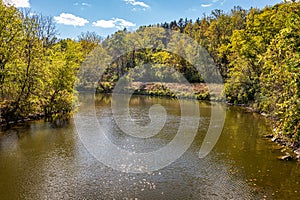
156	89
292	148
199	91
32	117
202	94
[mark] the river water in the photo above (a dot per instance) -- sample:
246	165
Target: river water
40	161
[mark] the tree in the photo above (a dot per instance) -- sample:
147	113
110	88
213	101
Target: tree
10	38
46	29
66	57
26	72
89	41
37	73
281	79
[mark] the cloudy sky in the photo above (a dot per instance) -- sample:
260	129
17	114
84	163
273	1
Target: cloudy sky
107	16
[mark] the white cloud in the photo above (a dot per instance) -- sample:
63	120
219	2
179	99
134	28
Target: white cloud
18	3
70	19
86	4
104	23
137	3
82	4
114	23
206	5
122	23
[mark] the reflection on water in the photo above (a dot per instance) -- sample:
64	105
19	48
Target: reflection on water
41	162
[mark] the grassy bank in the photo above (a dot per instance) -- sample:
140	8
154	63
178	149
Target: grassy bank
198	91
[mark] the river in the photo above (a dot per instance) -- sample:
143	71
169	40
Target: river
40	161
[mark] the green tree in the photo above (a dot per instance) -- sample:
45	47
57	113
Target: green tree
10	38
65	59
281	79
26	71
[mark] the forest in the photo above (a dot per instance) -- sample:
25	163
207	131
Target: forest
257	52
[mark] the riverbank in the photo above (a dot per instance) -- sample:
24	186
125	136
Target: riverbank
58	122
198	91
31	117
290	148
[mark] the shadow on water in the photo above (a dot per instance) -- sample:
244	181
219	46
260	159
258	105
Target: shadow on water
39	161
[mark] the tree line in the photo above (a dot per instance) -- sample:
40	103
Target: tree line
37	71
256	52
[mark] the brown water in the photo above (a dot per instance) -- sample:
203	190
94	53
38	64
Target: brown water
38	161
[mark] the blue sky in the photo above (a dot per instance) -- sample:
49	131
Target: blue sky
106	17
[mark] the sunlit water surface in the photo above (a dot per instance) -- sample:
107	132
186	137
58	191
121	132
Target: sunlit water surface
38	161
